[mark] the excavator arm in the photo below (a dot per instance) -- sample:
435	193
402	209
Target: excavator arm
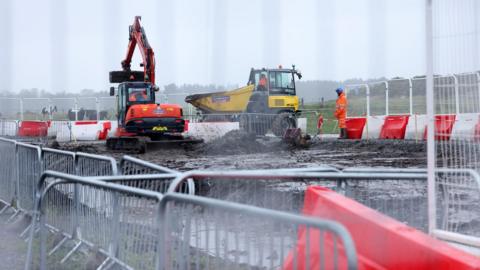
137	37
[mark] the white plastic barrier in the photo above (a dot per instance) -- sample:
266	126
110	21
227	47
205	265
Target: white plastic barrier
416	127
302	124
211	130
465	125
373	127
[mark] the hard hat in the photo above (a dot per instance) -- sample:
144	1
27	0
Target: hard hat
339	90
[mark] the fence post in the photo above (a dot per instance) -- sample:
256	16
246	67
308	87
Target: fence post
368	107
478	88
97	108
456	89
430	118
386	98
75	107
410	95
21	109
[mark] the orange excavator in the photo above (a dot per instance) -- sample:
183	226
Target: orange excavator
140	120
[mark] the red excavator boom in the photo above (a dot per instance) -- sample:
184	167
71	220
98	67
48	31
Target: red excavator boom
138	37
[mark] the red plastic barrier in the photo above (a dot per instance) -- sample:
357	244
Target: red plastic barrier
104	133
355	127
79	123
33	129
185	128
381	242
443	127
394	127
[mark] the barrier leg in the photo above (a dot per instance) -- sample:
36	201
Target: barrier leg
25	231
70	253
57	246
4	209
13	216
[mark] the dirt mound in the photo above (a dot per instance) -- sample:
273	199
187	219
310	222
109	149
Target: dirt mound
238	142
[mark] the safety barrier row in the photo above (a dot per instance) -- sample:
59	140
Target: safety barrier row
138	229
283	190
414	127
21	164
193	234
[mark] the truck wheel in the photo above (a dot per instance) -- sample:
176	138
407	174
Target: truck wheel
282	122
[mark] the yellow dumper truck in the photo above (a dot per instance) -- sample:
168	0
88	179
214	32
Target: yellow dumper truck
268	102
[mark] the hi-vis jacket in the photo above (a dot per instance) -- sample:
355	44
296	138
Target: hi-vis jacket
341	110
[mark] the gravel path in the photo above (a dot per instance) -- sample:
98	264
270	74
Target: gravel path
12	248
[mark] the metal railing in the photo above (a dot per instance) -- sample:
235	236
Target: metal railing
139	229
130	166
7	173
382	190
117	223
74	109
203	233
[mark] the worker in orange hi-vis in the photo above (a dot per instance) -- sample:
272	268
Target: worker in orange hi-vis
262	83
341	112
138	96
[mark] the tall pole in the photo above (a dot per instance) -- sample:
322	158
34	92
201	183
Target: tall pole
6	52
59	52
430	118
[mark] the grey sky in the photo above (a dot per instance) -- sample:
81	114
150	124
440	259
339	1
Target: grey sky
208	41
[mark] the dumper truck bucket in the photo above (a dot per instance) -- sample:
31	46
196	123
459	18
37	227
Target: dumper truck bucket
233	101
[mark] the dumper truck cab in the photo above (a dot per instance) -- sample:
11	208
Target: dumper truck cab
268	102
274	91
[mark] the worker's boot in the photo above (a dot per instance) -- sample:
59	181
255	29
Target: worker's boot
344	133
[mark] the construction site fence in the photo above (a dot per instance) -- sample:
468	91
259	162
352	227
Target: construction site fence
460	93
72	109
283	190
21	165
116	226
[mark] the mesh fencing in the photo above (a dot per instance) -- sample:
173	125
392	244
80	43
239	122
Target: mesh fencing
399	96
29	168
284	191
10	108
36	108
63	108
105	226
357	99
202	233
456	101
107	108
7	171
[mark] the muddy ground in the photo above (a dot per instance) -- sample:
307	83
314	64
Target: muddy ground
237	150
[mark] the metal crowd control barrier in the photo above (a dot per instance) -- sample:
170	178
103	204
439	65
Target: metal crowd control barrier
130	165
8	128
7	173
29	168
95	165
284	190
153	182
204	233
457	199
121	228
139	229
58	160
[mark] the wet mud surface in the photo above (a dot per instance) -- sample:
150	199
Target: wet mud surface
237	150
